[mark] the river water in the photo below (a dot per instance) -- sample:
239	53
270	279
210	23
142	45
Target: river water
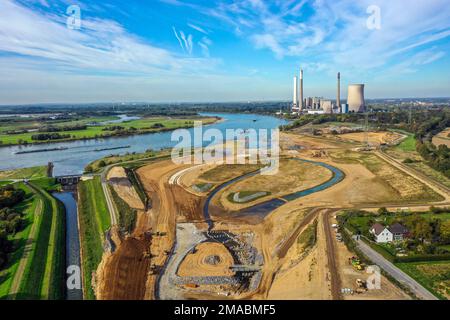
72	238
80	153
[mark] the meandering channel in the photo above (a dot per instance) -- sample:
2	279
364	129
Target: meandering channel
265	208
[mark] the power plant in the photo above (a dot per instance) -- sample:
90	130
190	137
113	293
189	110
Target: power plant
355	101
315	105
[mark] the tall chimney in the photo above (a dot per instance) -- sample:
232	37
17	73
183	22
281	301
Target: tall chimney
295	98
301	90
338	99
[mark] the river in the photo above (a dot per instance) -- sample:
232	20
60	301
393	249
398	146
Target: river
72	238
78	154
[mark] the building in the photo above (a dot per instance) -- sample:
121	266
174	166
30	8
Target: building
381	233
395	232
399	231
338	97
327	106
356	102
301	106
344	108
295	105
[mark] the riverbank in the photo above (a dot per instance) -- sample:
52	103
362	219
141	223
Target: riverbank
104	131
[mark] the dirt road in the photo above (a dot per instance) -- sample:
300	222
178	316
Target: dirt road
26	252
331	254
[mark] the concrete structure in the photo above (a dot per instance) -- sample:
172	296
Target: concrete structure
327	106
68	180
295	98
356	102
301	106
344	108
338	97
315	112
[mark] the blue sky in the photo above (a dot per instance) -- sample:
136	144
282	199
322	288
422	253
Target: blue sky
220	50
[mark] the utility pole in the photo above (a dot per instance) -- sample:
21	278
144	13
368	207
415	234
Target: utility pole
366	129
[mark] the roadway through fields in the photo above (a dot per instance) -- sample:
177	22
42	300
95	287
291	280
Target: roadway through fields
395	272
331	254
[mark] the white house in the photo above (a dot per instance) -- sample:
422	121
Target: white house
395	232
381	233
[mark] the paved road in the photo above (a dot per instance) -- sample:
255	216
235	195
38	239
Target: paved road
395	272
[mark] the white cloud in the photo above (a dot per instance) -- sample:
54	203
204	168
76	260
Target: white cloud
100	46
335	32
197	28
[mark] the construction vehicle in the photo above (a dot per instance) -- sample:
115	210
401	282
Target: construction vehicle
191	286
361	286
356	263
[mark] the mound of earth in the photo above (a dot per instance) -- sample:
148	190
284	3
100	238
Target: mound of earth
207	260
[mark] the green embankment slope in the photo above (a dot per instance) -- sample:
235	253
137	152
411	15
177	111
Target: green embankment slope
94	222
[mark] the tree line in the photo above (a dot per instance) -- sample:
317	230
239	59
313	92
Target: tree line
11	221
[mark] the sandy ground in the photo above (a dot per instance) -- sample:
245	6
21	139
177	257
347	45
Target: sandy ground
209	260
442	138
117	177
306	280
375	138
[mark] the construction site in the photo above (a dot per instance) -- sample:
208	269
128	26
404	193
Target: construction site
194	242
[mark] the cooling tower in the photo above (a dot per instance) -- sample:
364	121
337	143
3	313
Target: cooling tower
355	99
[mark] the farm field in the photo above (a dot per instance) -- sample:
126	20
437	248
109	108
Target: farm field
26	173
442	138
97	130
435	276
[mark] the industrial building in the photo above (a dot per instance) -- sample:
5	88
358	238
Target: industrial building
355	102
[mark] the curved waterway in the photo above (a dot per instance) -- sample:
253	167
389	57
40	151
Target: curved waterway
72	238
265	208
75	155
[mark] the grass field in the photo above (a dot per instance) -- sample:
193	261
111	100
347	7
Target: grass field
28	208
44	272
94	222
27	173
146	125
407	145
434	276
